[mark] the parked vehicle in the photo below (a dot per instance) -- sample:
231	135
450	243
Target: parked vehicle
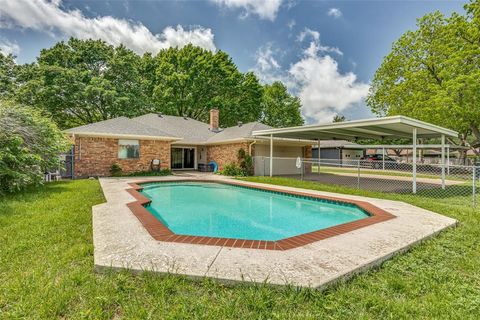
376	161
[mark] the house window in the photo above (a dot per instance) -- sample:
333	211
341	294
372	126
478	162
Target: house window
128	149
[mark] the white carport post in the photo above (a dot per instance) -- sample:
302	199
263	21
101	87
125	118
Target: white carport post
271	155
443	161
448	159
318	156
383	158
414	159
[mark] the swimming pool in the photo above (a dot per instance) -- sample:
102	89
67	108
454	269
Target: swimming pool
206	209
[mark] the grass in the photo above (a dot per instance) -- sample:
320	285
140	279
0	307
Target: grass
46	270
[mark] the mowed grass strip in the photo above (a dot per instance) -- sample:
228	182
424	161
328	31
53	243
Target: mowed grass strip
46	270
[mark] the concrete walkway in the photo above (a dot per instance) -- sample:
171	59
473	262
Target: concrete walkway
121	241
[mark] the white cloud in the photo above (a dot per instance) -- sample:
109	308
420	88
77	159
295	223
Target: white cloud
323	90
49	17
315	45
267	68
265	9
8	47
291	24
315	78
334	12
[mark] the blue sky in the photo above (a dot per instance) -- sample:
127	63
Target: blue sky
325	51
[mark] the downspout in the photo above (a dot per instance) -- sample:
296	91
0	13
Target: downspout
250	153
250	147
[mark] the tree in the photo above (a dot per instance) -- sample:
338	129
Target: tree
339	118
433	74
190	81
84	81
29	145
279	108
7	76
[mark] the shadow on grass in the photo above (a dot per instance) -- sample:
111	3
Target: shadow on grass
31	195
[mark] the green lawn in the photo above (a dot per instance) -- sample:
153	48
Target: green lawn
46	271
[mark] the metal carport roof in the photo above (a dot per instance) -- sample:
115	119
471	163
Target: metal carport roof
379	128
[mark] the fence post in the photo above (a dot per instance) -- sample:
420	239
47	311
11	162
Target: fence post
474	183
383	158
358	174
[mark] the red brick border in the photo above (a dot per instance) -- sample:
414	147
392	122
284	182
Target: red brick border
162	233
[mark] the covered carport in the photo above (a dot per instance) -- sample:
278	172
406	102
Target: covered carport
383	129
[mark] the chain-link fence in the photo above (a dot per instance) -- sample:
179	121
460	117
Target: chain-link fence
430	180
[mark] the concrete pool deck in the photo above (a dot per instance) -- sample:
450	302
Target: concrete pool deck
121	241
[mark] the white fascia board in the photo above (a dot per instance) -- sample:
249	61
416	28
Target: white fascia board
123	136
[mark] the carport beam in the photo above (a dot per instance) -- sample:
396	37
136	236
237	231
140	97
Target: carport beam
443	161
414	159
271	155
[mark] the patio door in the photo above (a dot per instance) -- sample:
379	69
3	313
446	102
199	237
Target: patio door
183	158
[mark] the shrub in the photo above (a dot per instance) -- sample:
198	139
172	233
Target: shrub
116	170
232	170
30	145
246	162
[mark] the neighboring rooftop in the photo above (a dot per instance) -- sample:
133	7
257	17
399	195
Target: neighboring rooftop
335	144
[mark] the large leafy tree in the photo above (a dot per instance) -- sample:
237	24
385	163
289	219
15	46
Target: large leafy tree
83	81
191	80
280	108
433	74
30	144
7	76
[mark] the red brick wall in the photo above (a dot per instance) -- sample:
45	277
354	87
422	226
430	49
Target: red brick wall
94	156
224	154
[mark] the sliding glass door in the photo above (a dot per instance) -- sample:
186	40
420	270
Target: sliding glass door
183	158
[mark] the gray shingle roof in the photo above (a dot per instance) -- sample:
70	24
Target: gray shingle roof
238	132
123	126
192	131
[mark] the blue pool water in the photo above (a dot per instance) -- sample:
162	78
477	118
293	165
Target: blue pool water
220	210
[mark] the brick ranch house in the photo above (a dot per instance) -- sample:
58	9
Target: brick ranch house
179	143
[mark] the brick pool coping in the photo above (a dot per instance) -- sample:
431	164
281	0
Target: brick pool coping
160	232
